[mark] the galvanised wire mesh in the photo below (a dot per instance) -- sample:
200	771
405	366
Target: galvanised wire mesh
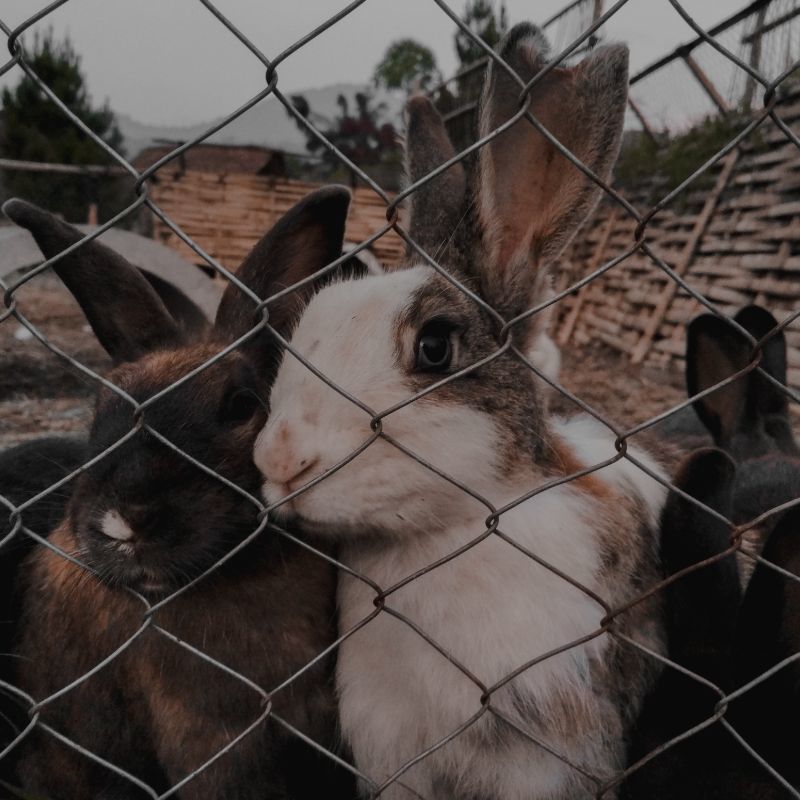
767	105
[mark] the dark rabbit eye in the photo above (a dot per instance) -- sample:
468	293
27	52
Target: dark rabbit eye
240	406
434	347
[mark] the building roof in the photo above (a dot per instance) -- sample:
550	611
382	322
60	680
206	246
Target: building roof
220	158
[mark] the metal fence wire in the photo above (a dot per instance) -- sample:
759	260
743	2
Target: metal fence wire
152	613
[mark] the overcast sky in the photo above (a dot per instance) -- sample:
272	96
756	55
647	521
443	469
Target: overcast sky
171	62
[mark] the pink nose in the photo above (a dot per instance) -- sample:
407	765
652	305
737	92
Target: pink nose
281	460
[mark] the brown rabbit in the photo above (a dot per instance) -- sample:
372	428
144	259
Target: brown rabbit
146	521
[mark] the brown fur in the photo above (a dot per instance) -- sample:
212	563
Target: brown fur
159	711
437	206
186	707
565	462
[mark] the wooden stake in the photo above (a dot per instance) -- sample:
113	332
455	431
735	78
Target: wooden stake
648	131
711	90
597	259
685	259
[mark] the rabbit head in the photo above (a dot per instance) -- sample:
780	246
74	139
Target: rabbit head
384	339
144	515
749	417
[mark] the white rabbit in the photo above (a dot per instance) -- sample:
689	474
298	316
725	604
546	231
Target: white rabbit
493	607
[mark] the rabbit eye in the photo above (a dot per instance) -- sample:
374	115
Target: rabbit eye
434	347
240	406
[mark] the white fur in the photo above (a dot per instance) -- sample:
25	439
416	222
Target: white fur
310	420
545	355
491	608
593	443
115	527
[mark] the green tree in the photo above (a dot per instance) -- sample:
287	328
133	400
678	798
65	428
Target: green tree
34	129
406	65
359	134
481	19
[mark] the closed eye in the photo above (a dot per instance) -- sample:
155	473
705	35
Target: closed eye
240	406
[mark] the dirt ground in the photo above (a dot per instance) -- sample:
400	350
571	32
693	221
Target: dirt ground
41	394
606	381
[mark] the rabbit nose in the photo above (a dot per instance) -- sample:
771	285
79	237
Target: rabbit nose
279	458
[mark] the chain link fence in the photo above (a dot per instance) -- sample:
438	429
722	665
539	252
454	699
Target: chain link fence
147	636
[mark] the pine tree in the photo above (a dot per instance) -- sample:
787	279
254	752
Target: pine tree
480	18
34	129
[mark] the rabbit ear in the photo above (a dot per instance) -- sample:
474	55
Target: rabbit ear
438	206
186	313
701	605
715	350
306	239
532	199
125	312
758	322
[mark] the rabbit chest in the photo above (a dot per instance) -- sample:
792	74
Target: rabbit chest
429	673
184	688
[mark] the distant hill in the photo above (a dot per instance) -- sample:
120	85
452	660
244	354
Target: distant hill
266	124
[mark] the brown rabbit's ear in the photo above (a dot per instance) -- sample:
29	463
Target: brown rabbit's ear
715	350
531	198
125	312
437	206
306	239
758	322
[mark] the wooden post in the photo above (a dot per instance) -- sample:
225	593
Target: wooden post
703	79
92	215
755	57
648	131
685	259
597	12
597	259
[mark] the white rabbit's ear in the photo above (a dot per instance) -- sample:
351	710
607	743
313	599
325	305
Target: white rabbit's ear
437	206
531	198
125	312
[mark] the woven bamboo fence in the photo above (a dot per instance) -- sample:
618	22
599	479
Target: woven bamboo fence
737	241
227	213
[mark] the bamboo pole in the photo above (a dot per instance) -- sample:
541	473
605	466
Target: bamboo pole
597	258
685	258
708	86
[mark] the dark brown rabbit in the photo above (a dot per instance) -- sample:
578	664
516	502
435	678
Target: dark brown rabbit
750	418
147	520
26	471
29	470
769	635
717	630
702	616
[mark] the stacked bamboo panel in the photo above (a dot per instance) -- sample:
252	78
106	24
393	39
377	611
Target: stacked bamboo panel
736	241
225	214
